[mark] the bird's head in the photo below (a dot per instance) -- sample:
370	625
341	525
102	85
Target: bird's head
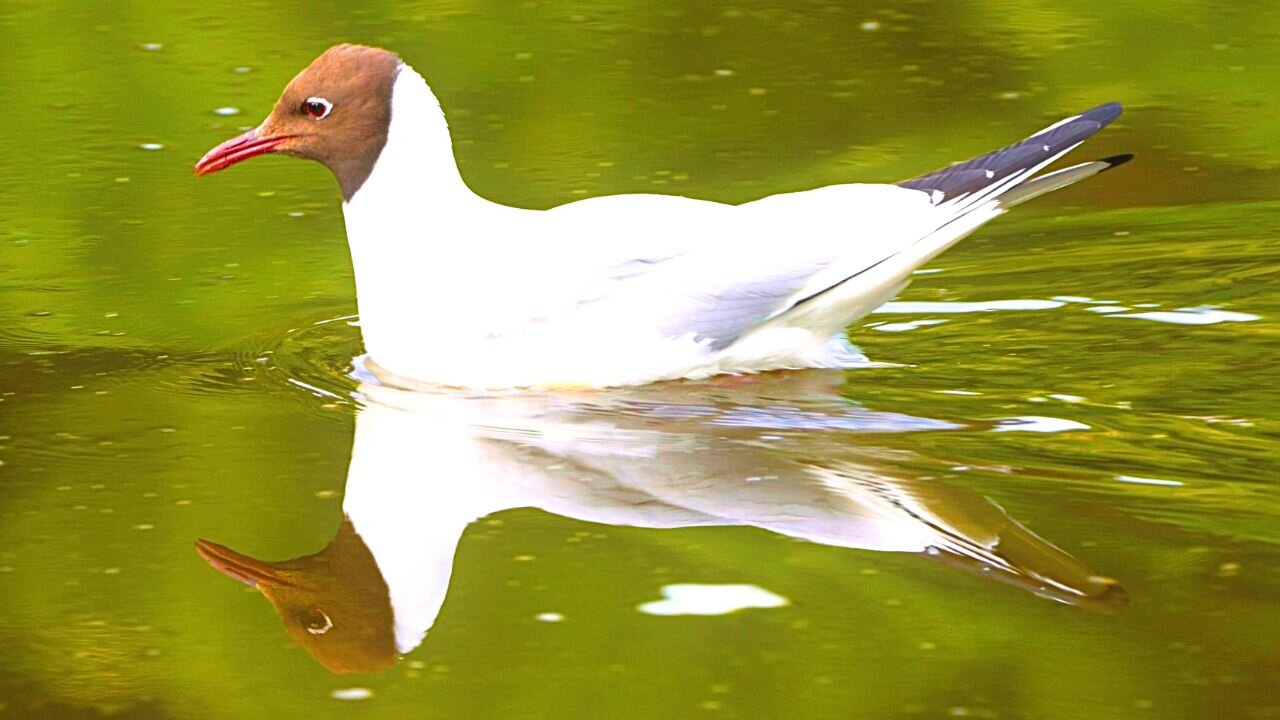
334	603
337	111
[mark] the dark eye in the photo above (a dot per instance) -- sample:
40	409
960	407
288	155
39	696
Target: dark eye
316	108
317	622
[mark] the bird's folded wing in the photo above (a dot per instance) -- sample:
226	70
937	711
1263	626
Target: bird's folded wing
712	272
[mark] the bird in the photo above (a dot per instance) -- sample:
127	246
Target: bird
456	290
427	466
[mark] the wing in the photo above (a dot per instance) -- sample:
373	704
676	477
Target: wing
713	272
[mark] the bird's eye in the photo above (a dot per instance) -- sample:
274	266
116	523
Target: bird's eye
317	622
317	108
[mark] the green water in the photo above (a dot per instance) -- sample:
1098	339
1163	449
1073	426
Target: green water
174	359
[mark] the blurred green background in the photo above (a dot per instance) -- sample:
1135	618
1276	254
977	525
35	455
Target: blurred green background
154	327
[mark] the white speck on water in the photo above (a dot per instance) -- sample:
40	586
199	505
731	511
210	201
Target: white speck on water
144	526
757	91
705	599
549	617
152	47
242	70
1108	309
151	146
956	392
967	307
1132	479
226	111
905	326
1067	398
297	214
724	72
1204	315
1010	95
355	693
1037	423
870	26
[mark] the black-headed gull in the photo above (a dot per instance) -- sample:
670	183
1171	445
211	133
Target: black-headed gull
628	289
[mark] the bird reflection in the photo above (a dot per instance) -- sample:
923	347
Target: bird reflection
781	452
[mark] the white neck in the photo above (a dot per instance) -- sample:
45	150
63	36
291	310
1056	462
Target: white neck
414	485
403	228
417	160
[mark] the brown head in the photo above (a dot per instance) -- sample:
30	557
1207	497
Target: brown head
337	111
334	603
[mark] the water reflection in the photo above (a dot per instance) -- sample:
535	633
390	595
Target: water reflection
781	452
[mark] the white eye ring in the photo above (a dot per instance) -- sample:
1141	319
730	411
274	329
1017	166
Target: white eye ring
321	629
317	108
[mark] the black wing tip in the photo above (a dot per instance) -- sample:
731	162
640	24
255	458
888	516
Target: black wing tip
1116	161
1104	113
984	170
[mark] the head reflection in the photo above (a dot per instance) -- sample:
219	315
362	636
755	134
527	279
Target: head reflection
784	453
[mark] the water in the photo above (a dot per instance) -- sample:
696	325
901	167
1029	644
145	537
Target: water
1092	375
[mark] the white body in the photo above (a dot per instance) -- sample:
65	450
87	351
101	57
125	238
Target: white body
426	465
456	290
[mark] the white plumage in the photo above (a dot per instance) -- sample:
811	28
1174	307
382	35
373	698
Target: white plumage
424	466
628	289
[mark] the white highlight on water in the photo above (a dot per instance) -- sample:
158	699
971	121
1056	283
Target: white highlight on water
355	693
905	326
1148	481
702	599
1037	423
1203	315
967	307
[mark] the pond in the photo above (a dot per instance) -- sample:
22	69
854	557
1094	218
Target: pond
1053	496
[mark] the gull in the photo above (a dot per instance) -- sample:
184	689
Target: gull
456	290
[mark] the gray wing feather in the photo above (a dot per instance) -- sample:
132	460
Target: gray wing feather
724	315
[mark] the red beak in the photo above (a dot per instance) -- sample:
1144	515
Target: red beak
238	149
247	570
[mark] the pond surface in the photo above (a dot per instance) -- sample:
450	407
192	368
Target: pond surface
1056	498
